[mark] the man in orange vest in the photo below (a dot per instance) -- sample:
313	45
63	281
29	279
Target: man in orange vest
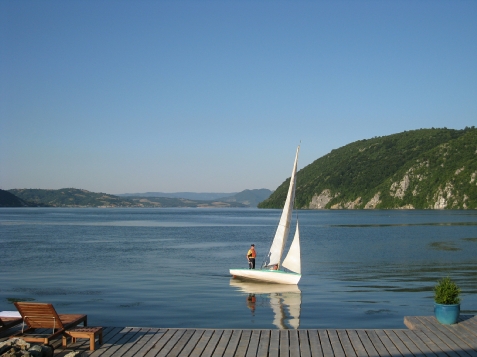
251	254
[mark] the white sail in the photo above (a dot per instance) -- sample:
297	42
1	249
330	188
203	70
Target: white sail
293	261
281	235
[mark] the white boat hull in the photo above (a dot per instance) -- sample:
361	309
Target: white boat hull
268	276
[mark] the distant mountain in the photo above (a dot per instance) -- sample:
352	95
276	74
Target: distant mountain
72	197
246	198
419	169
8	199
249	197
181	202
202	196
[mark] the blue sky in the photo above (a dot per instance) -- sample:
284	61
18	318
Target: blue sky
214	96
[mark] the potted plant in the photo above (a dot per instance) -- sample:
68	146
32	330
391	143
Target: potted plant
447	301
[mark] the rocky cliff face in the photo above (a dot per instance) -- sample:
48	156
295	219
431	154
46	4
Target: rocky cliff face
320	201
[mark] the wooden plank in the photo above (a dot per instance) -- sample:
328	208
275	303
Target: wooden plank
171	343
376	341
368	345
472	320
233	343
135	335
346	343
243	343
465	329
122	345
463	334
142	338
109	337
415	336
109	332
426	337
274	348
388	344
284	344
470	324
397	342
157	335
294	343
253	345
453	341
192	343
181	343
356	343
305	350
203	341
111	345
325	343
264	343
336	343
160	342
411	343
434	344
456	332
222	345
413	323
212	344
315	344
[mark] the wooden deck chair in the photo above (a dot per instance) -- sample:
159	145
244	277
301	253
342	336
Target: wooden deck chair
7	322
44	316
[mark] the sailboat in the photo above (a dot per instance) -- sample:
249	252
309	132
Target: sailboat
271	271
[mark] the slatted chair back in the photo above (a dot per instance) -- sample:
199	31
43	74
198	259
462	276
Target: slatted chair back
39	315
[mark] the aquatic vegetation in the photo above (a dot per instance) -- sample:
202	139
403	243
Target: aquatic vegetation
12	300
447	246
134	304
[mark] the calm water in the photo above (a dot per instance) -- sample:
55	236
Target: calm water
169	267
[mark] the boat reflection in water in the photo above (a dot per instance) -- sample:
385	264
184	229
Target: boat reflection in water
285	300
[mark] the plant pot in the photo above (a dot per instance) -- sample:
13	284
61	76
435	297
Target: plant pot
447	314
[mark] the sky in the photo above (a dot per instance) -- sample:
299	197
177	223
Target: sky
215	96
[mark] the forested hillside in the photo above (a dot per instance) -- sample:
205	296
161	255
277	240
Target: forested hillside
421	169
70	197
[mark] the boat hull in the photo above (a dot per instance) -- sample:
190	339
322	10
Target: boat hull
268	276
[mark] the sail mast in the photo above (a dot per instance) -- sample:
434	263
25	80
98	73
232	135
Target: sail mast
281	235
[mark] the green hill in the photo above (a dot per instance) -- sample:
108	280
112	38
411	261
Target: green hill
70	197
8	199
421	169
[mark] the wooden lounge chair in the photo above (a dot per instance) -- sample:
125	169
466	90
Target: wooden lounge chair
44	316
7	322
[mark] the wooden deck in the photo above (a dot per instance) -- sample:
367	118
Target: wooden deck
425	337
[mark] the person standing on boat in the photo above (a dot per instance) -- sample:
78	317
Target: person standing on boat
251	254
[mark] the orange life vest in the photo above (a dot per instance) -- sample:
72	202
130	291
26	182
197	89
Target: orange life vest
251	253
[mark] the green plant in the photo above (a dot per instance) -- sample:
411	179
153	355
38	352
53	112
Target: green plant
447	292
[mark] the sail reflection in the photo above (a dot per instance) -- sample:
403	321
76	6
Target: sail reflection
285	300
